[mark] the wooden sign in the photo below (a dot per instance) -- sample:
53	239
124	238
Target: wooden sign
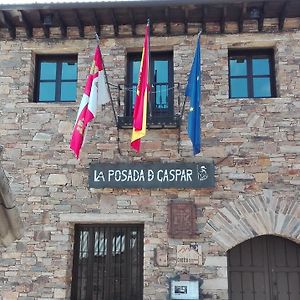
152	175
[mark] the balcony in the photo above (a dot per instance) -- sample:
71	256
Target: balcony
163	111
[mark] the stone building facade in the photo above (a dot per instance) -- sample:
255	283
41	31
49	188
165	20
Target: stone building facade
254	144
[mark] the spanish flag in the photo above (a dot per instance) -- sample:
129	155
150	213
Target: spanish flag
140	106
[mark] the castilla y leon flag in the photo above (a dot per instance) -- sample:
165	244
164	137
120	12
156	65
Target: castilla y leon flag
140	105
95	94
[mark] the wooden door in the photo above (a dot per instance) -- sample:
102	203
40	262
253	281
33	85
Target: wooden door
264	268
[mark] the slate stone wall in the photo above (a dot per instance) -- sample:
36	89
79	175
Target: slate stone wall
255	145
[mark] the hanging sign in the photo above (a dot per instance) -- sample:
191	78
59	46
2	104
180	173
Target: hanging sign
152	175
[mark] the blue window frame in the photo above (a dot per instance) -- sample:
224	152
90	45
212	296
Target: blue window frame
56	78
251	73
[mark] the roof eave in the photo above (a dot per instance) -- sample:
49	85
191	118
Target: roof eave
115	4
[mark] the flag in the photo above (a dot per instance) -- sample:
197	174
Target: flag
140	105
194	93
95	94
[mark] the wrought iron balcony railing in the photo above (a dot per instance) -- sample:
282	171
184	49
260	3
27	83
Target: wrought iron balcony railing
163	110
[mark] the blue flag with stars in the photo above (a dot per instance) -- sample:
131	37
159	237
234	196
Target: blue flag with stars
193	91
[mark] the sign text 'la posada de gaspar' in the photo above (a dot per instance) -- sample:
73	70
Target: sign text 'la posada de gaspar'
152	175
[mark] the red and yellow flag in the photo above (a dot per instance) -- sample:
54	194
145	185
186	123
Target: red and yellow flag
140	106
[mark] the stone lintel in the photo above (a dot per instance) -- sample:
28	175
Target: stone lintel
106	218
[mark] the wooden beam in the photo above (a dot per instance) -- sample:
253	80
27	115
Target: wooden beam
114	21
186	18
223	19
8	24
26	24
149	18
133	22
46	29
203	18
167	16
260	21
79	24
282	15
243	12
62	24
96	22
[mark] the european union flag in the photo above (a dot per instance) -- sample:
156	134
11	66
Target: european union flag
193	91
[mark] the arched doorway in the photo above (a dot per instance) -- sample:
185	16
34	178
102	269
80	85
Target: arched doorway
264	268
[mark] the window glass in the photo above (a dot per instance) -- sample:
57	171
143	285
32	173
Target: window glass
238	67
68	91
135	71
83	251
261	66
47	91
135	78
161	69
48	71
239	88
69	71
161	96
133	90
261	87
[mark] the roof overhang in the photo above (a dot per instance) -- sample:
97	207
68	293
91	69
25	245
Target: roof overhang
81	14
121	3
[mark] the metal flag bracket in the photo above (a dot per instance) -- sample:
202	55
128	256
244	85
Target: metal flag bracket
111	101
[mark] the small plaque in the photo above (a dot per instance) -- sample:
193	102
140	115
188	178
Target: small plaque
185	287
161	257
189	254
184	290
182	219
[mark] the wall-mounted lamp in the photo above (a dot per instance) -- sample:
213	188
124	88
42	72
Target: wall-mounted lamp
254	13
47	20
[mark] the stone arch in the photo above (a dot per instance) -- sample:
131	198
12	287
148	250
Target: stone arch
251	216
11	227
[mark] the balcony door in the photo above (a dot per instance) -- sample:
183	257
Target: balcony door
161	80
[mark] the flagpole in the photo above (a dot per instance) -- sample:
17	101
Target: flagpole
112	104
139	122
149	75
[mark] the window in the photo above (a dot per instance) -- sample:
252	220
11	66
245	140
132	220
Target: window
108	262
161	104
56	78
251	74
